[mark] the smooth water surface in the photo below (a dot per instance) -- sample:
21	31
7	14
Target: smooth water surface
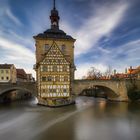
88	119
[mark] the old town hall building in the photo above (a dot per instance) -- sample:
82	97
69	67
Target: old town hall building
54	64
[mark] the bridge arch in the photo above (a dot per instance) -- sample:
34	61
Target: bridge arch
5	91
101	90
29	87
117	90
7	95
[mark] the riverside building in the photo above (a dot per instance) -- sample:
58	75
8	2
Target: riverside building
54	64
8	73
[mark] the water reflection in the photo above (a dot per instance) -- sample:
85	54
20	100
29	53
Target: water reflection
88	119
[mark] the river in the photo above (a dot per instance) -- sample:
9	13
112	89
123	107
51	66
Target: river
88	119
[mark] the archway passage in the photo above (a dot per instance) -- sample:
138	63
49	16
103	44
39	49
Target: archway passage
14	94
99	91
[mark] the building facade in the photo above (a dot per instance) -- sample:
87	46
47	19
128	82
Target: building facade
134	72
30	77
8	73
21	75
54	64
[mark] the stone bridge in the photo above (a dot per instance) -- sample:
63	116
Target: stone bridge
24	86
116	89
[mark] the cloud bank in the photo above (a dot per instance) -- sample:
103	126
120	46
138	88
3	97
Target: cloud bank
17	45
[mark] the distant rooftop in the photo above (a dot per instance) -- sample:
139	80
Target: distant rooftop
6	66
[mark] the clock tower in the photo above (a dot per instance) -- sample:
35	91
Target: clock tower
54	64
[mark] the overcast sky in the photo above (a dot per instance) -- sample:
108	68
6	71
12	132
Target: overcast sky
107	32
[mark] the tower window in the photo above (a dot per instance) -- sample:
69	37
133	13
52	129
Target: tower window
54	90
50	68
57	78
64	90
66	78
43	79
50	90
63	48
43	90
54	68
60	68
43	68
49	78
61	78
64	68
68	68
46	47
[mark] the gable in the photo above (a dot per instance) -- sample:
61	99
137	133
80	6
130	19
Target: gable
54	56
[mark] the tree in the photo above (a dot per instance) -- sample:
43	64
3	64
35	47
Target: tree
93	73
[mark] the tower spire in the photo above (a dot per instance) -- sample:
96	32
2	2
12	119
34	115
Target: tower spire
54	17
54	4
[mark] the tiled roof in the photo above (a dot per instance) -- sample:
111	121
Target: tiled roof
54	33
